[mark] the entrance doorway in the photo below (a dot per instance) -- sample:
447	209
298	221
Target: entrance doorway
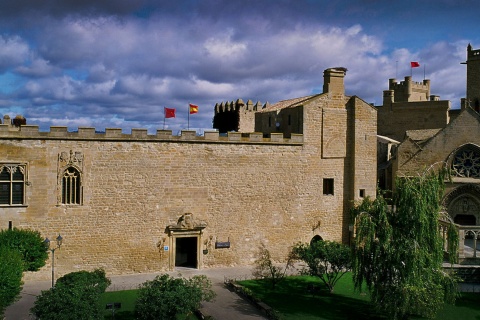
186	252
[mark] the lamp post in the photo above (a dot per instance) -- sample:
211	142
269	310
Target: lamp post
59	243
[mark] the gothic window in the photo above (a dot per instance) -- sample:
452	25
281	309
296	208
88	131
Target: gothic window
466	163
71	187
12	184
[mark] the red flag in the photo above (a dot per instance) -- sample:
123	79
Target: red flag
193	108
414	64
169	112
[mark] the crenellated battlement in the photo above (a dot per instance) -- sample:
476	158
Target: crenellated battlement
32	132
239	105
408	90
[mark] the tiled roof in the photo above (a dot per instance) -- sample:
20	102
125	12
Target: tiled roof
287	103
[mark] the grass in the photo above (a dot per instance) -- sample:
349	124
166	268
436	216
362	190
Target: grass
127	298
294	302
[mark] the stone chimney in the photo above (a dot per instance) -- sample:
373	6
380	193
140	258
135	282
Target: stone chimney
333	81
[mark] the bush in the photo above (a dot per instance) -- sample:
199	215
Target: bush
266	269
327	260
29	244
75	296
11	271
168	298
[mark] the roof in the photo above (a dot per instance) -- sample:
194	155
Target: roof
421	136
290	103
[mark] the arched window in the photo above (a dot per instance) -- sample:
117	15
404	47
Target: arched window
466	162
12	184
71	187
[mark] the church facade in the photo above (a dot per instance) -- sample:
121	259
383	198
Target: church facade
147	203
417	134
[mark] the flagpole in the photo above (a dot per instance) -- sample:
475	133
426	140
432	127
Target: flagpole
424	77
188	116
164	116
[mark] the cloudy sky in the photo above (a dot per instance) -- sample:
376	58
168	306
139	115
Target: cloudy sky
118	63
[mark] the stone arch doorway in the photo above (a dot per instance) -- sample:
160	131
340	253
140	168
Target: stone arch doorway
463	204
185	238
315	239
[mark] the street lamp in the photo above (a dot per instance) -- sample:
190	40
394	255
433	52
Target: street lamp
59	243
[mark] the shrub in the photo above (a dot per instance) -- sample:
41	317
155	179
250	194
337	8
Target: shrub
11	271
29	244
327	260
167	298
266	269
75	296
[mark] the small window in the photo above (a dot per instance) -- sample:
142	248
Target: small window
269	122
328	186
289	120
71	190
12	184
362	193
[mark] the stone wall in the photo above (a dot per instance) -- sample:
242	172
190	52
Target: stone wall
396	118
141	193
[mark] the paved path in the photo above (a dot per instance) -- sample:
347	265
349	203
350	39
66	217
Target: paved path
227	305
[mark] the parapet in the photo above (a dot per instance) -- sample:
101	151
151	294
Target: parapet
32	132
237	106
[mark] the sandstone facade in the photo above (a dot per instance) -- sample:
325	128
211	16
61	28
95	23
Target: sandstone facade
146	203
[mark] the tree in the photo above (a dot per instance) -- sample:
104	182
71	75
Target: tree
266	269
327	260
168	298
75	296
398	250
11	271
29	244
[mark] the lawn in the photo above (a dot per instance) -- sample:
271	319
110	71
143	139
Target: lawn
127	299
292	300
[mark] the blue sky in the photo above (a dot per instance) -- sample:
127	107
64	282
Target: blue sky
118	63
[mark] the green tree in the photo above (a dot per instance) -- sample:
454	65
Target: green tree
327	260
11	271
266	269
75	296
398	249
29	244
169	298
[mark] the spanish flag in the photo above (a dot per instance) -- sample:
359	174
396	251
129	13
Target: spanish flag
193	108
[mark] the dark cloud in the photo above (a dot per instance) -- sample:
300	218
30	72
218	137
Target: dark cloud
118	63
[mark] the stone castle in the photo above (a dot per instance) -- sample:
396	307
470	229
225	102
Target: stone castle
272	174
146	203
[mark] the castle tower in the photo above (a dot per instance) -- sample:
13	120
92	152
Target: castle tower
473	77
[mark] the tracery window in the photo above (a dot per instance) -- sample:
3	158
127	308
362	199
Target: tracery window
466	163
12	184
71	187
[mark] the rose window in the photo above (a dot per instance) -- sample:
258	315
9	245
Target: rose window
466	164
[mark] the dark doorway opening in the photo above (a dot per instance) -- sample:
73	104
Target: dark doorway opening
465	219
186	252
316	239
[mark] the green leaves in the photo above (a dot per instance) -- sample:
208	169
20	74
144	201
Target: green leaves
75	296
11	271
29	244
166	298
327	260
398	250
